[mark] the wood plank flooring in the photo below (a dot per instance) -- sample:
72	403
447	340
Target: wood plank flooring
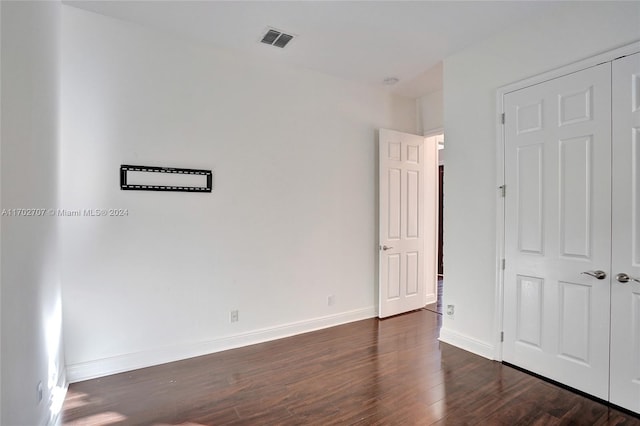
437	306
371	372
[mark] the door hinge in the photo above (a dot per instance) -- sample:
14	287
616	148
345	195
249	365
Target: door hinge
503	190
502	336
502	119
504	264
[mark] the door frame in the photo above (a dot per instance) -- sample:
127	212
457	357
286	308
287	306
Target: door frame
429	134
500	169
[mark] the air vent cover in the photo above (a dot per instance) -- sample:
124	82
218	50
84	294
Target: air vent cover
276	38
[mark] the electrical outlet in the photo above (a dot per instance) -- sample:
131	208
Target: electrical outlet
451	310
330	300
233	316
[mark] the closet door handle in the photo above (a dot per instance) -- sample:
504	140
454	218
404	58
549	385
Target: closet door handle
601	275
624	278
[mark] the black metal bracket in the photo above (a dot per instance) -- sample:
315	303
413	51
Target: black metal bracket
125	168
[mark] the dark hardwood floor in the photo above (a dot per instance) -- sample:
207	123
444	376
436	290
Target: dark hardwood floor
371	372
437	306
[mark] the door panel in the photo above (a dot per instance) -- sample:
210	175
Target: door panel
394	178
576	195
625	297
574	328
575	107
557	225
393	275
529	311
408	168
530	223
413	203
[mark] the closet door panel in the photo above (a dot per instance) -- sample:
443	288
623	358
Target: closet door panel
625	291
557	227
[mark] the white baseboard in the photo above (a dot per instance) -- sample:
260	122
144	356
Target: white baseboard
107	366
467	343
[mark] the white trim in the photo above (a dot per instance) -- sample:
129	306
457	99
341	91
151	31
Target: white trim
429	134
467	343
436	132
433	180
500	224
433	132
608	56
433	299
127	362
1	120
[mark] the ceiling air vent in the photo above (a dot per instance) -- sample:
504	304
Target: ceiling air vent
276	38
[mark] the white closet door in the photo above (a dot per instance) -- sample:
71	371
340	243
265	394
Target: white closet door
557	227
625	292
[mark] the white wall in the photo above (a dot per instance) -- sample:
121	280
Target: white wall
31	312
291	220
575	31
1	102
431	108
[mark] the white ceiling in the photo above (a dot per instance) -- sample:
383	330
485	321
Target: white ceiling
365	41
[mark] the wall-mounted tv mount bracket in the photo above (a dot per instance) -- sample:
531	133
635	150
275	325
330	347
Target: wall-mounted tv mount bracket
151	178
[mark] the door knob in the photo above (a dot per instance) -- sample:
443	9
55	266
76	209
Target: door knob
601	275
624	278
385	248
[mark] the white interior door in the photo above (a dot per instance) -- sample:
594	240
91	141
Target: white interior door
557	227
408	176
625	291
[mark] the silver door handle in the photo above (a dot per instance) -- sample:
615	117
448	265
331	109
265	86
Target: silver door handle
601	275
624	278
385	248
